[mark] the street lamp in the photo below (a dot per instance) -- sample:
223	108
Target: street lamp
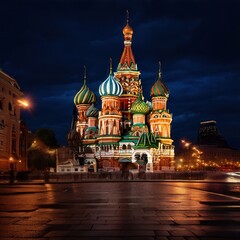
195	152
23	103
11	173
187	146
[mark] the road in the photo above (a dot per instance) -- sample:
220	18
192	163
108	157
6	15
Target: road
120	210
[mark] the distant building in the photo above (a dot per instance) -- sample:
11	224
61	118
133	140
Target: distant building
10	93
214	146
127	133
211	150
209	135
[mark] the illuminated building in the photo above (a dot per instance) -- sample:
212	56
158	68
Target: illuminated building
127	132
10	132
211	151
215	149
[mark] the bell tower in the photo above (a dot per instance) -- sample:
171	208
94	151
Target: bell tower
127	73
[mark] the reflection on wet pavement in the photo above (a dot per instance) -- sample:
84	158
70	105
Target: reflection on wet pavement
121	210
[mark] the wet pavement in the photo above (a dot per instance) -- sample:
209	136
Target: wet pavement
120	210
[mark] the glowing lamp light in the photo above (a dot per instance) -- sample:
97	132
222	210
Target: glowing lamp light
23	103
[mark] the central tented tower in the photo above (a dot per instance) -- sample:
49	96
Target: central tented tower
127	74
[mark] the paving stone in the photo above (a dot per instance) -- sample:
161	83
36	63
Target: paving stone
20	228
187	222
177	238
183	233
31	222
7	220
22	234
110	233
131	227
162	233
161	238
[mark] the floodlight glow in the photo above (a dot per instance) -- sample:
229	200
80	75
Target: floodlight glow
23	103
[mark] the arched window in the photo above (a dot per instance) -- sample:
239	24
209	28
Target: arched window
129	146
137	156
124	147
9	106
144	157
107	127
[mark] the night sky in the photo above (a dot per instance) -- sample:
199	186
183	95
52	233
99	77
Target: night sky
44	45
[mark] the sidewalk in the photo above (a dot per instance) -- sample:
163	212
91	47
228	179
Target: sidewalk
117	211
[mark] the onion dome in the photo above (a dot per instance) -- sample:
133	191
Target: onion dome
127	30
139	106
110	87
159	89
92	111
85	95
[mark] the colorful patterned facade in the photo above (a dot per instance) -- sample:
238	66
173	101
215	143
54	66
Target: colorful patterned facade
126	133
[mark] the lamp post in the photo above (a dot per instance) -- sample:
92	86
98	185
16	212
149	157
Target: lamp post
196	153
11	172
160	156
22	163
187	146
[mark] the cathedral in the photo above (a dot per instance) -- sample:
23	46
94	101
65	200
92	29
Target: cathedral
127	133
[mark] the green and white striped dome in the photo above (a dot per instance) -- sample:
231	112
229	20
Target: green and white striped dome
85	95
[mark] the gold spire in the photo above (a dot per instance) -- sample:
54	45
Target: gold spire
84	74
127	16
110	64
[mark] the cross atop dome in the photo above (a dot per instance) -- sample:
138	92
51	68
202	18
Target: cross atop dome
127	31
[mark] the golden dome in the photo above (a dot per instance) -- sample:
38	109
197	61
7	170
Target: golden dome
127	30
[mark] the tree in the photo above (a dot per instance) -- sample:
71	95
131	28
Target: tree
47	136
41	153
39	159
